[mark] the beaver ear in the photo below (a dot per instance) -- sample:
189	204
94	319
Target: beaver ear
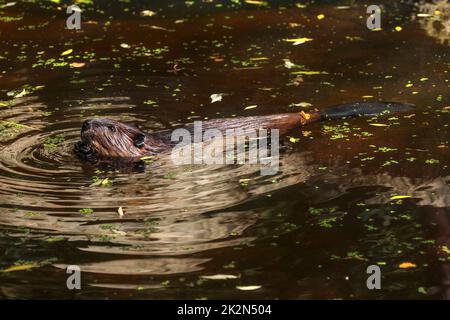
139	140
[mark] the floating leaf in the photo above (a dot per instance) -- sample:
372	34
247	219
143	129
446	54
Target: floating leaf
20	267
406	265
288	64
125	45
65	53
219	277
297	41
422	290
216	97
399	197
54	239
147	13
77	64
301	105
86	211
379	124
320	16
309	73
21	94
256	2
251	107
248	288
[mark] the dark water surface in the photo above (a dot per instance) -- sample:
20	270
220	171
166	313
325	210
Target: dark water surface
349	193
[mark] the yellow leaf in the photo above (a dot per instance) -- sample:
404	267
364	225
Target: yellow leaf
406	265
259	58
309	73
320	16
255	2
398	28
400	197
250	107
378	124
20	267
65	53
297	41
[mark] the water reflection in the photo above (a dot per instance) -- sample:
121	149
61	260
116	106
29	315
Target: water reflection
184	222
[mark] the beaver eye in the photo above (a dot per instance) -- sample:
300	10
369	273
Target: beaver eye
112	128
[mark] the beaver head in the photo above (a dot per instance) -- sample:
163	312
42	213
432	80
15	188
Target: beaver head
106	138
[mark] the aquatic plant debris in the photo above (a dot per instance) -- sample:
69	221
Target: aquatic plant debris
407	265
216	97
220	277
297	41
248	288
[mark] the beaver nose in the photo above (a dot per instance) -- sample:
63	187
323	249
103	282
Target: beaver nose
86	125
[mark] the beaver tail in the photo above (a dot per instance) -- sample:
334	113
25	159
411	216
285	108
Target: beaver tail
363	109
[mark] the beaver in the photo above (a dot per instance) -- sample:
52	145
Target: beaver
110	139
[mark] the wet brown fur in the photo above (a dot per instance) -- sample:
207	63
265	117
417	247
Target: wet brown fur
106	138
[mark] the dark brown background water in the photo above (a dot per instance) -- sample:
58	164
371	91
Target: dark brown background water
308	232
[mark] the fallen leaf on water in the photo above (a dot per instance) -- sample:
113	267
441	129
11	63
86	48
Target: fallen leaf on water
256	2
8	4
309	73
65	53
288	64
147	13
248	288
378	124
159	28
125	45
297	41
251	107
21	94
399	197
259	58
219	277
77	64
20	267
406	265
424	15
320	16
301	104
120	212
216	97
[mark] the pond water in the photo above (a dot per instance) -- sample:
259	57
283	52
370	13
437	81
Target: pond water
349	193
